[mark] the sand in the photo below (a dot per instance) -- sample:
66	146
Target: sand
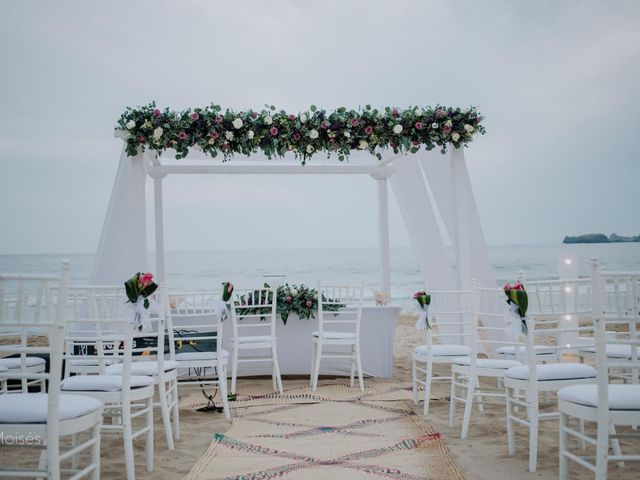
482	456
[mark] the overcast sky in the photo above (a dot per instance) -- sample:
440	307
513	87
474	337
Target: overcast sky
558	82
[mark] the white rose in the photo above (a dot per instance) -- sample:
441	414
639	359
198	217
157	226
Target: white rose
228	135
313	134
309	149
250	134
293	292
157	133
455	136
418	112
303	118
268	120
347	134
434	125
131	124
397	129
468	128
363	145
448	123
237	123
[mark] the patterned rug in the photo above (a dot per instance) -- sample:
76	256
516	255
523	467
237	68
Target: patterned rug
331	440
253	393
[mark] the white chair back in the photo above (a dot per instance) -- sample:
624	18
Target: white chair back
27	306
150	345
253	312
450	317
340	305
488	305
97	301
195	319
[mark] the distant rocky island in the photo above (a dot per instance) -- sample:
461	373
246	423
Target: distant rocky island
600	238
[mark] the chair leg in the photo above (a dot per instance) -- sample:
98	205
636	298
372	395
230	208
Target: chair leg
359	365
276	368
95	451
415	384
74	458
149	447
176	407
533	433
316	369
353	366
468	405
313	363
511	437
452	399
127	435
602	451
615	444
476	384
222	379
234	369
427	389
166	417
583	444
562	447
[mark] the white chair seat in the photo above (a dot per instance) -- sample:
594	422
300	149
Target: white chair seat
141	368
621	397
192	356
252	339
553	371
88	362
494	363
3	369
16	408
613	350
335	335
538	349
102	383
443	350
15	362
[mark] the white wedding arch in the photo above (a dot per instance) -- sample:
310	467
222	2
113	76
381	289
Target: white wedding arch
426	184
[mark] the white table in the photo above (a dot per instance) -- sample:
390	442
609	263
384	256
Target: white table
295	343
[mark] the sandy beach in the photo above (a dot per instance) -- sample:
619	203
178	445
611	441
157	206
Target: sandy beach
482	456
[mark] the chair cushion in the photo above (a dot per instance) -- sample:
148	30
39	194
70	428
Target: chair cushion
613	350
192	356
444	350
335	335
553	371
32	407
141	368
621	397
539	349
3	369
88	362
498	363
252	339
14	362
102	383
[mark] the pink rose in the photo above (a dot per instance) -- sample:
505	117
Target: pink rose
156	112
392	144
323	125
182	136
141	139
309	303
368	130
440	113
195	116
292	117
273	131
254	114
418	125
145	279
446	129
218	119
288	299
213	134
226	146
394	112
297	136
354	122
230	288
517	286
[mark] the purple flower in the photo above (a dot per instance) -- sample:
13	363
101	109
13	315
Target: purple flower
354	122
156	112
296	136
418	125
394	112
368	130
323	125
292	117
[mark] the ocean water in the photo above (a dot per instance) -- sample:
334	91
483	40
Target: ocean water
207	270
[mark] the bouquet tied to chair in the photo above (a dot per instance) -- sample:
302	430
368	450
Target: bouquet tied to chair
423	300
516	310
138	289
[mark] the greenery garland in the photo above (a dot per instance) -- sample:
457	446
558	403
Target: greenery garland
312	131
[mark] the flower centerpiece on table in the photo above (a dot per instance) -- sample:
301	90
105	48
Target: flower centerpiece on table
517	303
138	289
423	300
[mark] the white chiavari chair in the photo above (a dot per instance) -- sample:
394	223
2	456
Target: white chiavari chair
338	305
487	304
126	397
46	418
446	340
604	403
254	311
194	323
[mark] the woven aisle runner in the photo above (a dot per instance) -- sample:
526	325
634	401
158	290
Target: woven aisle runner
329	440
256	393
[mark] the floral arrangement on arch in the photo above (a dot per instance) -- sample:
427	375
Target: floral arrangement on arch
276	132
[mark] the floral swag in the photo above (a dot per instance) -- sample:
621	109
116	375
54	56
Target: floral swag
275	133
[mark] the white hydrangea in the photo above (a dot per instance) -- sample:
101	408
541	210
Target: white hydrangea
303	118
237	123
468	128
397	129
455	136
250	134
228	135
310	148
157	134
131	124
363	145
418	112
347	134
313	134
434	125
268	120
